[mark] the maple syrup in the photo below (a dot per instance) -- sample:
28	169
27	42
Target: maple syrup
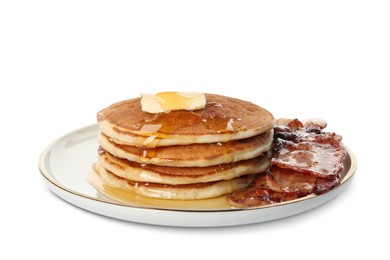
135	200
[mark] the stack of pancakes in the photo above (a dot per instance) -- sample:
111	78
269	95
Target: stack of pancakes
183	154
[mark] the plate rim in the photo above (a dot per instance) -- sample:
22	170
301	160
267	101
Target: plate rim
48	177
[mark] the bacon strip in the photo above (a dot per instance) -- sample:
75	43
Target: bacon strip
305	160
258	193
308	150
287	180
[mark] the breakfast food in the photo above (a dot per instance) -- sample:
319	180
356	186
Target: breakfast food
222	119
305	161
206	146
180	175
194	146
192	191
192	155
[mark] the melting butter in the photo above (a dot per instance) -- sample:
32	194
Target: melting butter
166	101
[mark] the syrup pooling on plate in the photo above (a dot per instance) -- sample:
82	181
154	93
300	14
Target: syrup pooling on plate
132	199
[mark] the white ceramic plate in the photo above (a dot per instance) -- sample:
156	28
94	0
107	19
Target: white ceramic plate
66	163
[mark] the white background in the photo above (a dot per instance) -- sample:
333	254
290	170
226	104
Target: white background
62	61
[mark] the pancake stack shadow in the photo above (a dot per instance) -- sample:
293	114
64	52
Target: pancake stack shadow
183	155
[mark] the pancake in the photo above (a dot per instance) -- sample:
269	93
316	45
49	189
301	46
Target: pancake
182	154
193	155
177	192
180	175
223	119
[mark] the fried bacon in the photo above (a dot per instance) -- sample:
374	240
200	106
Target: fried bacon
258	193
287	180
305	160
308	150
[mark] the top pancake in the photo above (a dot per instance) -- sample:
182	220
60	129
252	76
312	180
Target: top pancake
223	119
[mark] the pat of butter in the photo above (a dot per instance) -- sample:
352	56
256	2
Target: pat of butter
167	101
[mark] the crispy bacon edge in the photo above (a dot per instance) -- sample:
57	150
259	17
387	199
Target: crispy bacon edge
267	190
